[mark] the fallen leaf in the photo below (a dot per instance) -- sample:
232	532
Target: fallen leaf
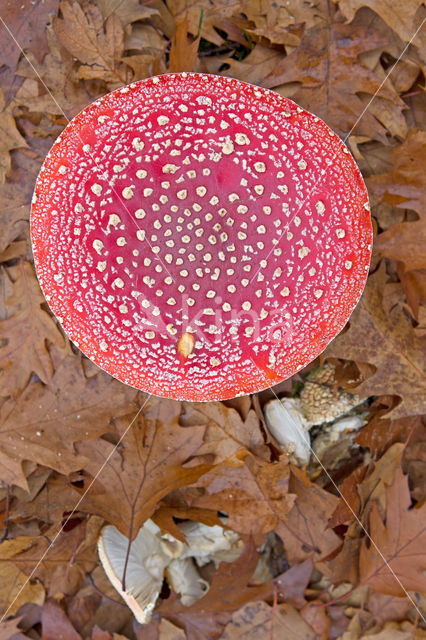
10	138
128	11
404	187
9	629
226	433
259	620
183	50
228	591
27	331
259	63
43	422
146	466
385	608
61	567
400	540
388	342
15	590
291	584
381	433
55	624
331	76
304	532
400	15
97	43
168	631
26	20
278	21
256	494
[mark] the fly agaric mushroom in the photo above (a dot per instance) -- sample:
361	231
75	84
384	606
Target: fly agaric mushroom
199	237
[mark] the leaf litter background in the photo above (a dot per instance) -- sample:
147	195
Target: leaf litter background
60	416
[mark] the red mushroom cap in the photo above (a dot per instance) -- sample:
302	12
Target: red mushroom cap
198	237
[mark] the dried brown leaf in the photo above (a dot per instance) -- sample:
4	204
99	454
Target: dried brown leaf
304	532
255	495
259	620
43	422
183	50
14	588
26	20
400	539
228	591
331	76
146	466
27	331
400	15
98	44
388	342
404	187
10	138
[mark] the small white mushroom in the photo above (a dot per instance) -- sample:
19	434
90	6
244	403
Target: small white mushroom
287	424
145	569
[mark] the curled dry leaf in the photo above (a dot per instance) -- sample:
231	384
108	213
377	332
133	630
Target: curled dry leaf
10	138
254	494
400	15
388	342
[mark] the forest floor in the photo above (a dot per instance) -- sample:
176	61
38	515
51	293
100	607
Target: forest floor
335	548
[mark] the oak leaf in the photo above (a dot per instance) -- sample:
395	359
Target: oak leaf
148	463
98	44
10	138
15	590
61	562
183	50
400	541
44	421
404	187
388	342
278	21
26	20
256	494
26	333
304	532
400	15
328	67
229	589
227	432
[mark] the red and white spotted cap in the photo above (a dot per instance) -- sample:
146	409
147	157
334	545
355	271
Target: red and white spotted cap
199	237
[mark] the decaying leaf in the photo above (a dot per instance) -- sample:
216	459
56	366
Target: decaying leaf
400	15
14	588
259	620
388	342
256	494
183	51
